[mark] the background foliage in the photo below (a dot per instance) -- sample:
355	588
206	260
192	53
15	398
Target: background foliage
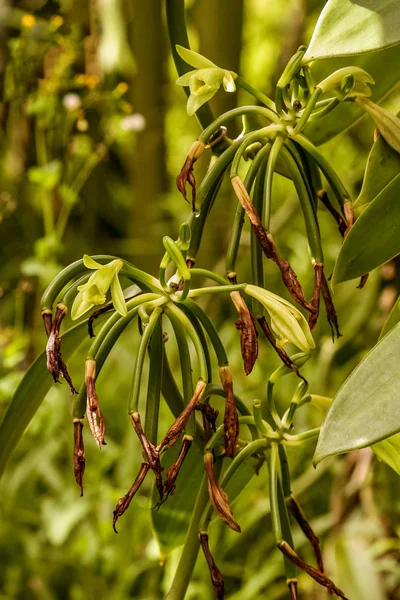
93	125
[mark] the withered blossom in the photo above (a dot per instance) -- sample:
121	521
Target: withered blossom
217	579
319	577
186	173
124	502
79	453
93	412
150	452
248	333
219	499
267	244
55	363
298	514
173	471
179	424
342	225
210	416
231	419
283	355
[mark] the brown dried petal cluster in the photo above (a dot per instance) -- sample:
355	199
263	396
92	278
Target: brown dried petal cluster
267	244
342	225
150	451
231	419
283	355
79	453
216	576
218	497
186	173
210	416
248	333
55	363
124	502
93	412
173	471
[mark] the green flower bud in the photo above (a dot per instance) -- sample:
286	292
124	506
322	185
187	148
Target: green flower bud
185	234
287	322
205	80
94	291
340	82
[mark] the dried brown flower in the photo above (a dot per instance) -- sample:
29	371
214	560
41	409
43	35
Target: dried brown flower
186	173
150	452
173	471
123	503
218	497
93	412
248	333
231	419
55	363
79	453
216	576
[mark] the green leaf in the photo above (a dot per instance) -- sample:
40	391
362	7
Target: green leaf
392	319
374	239
366	409
349	27
30	393
389	451
382	167
382	66
171	521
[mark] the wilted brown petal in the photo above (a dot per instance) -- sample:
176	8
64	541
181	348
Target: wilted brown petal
283	355
308	531
79	454
315	300
210	416
248	332
93	412
231	419
173	471
179	424
123	503
323	196
47	317
267	244
314	573
186	173
216	576
55	363
150	452
330	308
218	497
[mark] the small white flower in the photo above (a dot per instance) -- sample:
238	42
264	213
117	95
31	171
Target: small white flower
71	102
135	122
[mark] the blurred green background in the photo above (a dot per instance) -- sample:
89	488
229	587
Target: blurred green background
93	133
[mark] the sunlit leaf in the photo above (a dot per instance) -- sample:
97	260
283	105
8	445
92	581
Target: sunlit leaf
30	393
392	319
367	407
389	451
348	27
374	239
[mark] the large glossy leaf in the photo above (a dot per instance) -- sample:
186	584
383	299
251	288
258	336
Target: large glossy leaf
389	451
382	167
30	393
374	238
348	27
367	407
171	521
392	319
384	68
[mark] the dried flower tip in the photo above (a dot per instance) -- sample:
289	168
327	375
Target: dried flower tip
53	347
179	424
231	419
150	452
330	308
186	173
79	453
173	471
47	316
210	416
283	355
123	503
248	333
292	585
315	300
93	412
218	497
216	576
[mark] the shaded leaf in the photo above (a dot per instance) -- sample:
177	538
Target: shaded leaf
30	393
392	319
367	407
374	238
348	27
382	167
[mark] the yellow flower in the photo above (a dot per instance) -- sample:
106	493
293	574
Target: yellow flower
94	291
205	80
